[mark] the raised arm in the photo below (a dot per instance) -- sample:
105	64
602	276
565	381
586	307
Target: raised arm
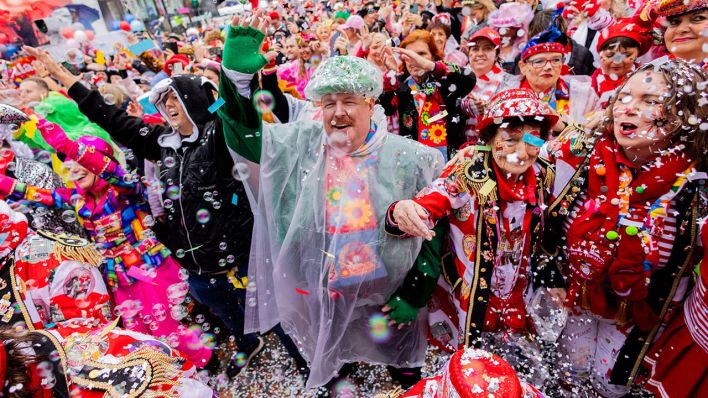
129	131
91	158
242	59
12	189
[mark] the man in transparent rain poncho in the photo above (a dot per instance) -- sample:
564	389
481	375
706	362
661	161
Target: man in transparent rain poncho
321	264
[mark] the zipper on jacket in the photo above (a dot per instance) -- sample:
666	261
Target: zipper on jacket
181	209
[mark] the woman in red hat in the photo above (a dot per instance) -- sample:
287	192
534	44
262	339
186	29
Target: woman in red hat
542	64
493	198
619	47
625	206
686	24
484	47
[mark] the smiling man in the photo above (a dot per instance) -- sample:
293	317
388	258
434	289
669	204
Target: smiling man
322	264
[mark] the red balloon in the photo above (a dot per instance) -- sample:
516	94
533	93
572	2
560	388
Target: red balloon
67	32
124	25
90	34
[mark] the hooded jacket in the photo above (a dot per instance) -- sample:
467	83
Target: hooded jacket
209	219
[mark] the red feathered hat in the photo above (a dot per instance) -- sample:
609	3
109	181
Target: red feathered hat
517	102
667	8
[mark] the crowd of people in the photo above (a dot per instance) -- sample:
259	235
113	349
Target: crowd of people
522	184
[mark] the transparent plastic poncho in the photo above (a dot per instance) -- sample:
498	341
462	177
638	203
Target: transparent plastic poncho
325	284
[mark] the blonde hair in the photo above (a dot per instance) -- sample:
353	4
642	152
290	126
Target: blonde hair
117	92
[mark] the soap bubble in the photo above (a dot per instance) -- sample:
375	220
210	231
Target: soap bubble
68	216
44	157
170	162
378	328
263	101
173	192
203	216
241	171
109	99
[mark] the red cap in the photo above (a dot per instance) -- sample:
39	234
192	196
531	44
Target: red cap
487	33
479	374
274	15
627	27
177	58
517	102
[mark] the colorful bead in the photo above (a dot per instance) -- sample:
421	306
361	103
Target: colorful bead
639	189
632	230
600	170
612	235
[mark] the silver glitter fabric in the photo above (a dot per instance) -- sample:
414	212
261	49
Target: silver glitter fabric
48	219
345	74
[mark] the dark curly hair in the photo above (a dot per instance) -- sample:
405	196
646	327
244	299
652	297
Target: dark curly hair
18	357
686	83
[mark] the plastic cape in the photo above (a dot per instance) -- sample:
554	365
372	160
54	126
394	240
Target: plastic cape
326	287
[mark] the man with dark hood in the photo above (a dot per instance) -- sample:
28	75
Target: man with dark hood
208	214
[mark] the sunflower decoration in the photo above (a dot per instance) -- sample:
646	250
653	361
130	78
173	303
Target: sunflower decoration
334	195
358	214
437	133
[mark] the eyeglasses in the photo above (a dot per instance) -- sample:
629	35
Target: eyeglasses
541	62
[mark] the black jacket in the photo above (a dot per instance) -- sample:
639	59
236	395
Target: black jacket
209	218
453	86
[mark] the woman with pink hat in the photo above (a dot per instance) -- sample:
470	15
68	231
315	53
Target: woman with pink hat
511	20
111	205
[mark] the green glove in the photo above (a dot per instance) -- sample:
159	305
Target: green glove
401	312
242	50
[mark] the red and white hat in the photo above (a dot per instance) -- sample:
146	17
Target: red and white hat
631	28
667	8
443	18
517	103
486	33
471	373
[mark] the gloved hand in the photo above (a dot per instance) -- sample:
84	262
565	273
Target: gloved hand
399	311
57	138
7	186
242	50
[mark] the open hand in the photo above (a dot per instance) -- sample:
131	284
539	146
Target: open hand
417	65
411	217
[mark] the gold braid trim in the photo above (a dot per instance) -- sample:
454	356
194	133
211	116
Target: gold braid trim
475	178
73	248
395	393
160	371
578	138
621	316
550	178
86	254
